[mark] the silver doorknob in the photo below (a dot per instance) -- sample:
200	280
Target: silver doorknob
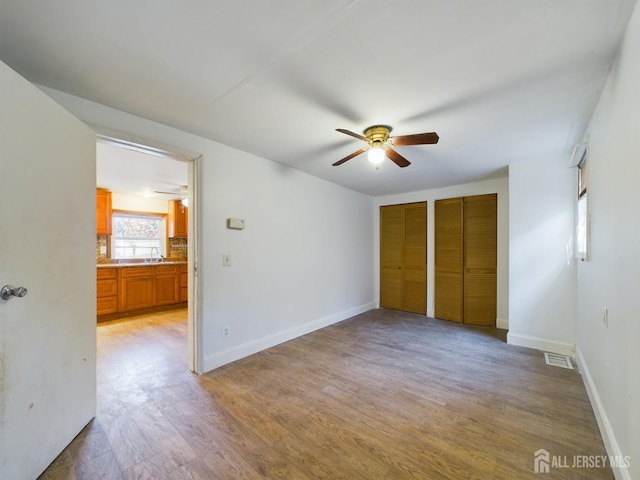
9	291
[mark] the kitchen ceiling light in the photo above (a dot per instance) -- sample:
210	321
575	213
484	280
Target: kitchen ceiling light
376	153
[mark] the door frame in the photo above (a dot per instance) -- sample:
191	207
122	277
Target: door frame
194	161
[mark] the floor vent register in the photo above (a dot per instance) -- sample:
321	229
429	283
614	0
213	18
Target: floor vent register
557	360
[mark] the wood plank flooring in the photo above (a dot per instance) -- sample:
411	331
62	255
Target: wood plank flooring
384	395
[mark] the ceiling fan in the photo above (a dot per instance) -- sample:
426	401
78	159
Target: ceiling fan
183	192
380	144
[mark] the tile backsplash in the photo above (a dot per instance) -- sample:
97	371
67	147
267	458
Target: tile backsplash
176	249
102	241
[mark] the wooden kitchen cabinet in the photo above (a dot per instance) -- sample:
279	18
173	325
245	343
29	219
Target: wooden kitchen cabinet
178	219
103	212
166	285
107	291
184	283
149	286
136	288
144	288
137	293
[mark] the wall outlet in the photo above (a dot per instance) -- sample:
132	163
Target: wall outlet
226	330
226	260
605	318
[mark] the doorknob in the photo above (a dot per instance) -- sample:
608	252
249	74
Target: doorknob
9	291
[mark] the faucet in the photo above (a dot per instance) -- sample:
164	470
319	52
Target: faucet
151	253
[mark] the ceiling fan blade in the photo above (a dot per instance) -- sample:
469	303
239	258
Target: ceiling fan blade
166	193
396	158
417	139
349	132
349	157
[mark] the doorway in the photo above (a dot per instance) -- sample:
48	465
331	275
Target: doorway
151	179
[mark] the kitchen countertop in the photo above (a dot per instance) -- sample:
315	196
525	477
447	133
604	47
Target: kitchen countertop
139	264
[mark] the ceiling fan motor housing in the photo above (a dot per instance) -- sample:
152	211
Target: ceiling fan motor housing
377	134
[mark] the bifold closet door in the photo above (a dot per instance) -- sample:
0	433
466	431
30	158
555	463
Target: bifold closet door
466	259
403	257
391	257
449	278
414	258
480	259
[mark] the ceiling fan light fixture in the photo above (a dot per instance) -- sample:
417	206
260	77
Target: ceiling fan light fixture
376	154
184	190
380	144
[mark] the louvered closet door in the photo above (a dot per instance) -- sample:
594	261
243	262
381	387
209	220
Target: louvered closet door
414	258
448	301
403	257
391	257
480	258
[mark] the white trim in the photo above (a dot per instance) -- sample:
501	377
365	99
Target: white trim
606	430
431	313
502	323
541	344
237	352
193	261
136	143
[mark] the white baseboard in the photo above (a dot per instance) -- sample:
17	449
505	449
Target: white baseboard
541	344
606	430
502	323
237	352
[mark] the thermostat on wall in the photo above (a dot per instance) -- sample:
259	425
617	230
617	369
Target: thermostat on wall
237	223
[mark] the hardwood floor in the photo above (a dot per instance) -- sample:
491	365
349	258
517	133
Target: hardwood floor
384	395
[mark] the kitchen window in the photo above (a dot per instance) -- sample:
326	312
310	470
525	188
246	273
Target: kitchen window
138	236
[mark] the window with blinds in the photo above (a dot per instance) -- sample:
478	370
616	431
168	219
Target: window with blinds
582	223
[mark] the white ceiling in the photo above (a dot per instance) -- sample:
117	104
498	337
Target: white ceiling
123	170
498	80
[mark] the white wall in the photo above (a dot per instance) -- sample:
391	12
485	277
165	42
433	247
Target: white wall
303	261
134	203
542	278
499	186
610	356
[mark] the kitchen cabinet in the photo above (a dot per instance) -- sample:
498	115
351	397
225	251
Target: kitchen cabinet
123	290
148	286
166	285
103	212
136	288
184	283
178	219
107	291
